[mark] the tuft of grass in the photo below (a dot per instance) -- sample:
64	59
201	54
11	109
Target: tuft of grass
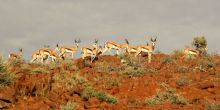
15	62
216	79
177	54
112	82
168	60
78	79
104	67
150	69
182	81
128	60
70	80
182	69
212	106
88	93
91	92
133	102
69	106
6	79
154	100
133	71
2	65
111	99
169	95
39	70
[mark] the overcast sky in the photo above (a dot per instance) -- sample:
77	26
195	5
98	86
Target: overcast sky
31	24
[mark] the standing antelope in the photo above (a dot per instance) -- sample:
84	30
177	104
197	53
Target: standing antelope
91	51
147	48
17	55
132	49
114	45
69	49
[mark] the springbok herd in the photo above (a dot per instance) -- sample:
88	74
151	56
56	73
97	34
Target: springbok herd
47	54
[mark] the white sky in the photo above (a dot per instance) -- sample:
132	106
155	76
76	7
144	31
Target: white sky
31	24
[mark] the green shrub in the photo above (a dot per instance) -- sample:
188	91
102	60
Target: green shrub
6	78
212	106
111	99
182	81
91	92
169	95
154	100
70	106
168	60
182	69
128	60
133	102
199	42
2	65
112	82
133	71
88	93
177	54
70	80
39	70
105	67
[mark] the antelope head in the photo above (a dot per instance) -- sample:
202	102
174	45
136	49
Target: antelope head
96	43
77	42
20	50
153	41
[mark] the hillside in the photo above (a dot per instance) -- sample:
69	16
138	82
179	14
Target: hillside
169	82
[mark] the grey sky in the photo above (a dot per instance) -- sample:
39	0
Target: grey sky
30	24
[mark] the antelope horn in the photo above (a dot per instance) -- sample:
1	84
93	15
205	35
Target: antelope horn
155	39
126	40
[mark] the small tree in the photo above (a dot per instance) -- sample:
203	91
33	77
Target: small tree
200	44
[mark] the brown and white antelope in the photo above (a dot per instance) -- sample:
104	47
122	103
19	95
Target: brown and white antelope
36	56
114	45
69	49
193	52
17	55
147	48
92	52
44	54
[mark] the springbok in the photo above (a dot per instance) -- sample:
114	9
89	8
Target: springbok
147	48
92	52
114	45
37	56
43	54
69	49
17	55
193	52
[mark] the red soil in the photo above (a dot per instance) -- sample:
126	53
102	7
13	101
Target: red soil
42	92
